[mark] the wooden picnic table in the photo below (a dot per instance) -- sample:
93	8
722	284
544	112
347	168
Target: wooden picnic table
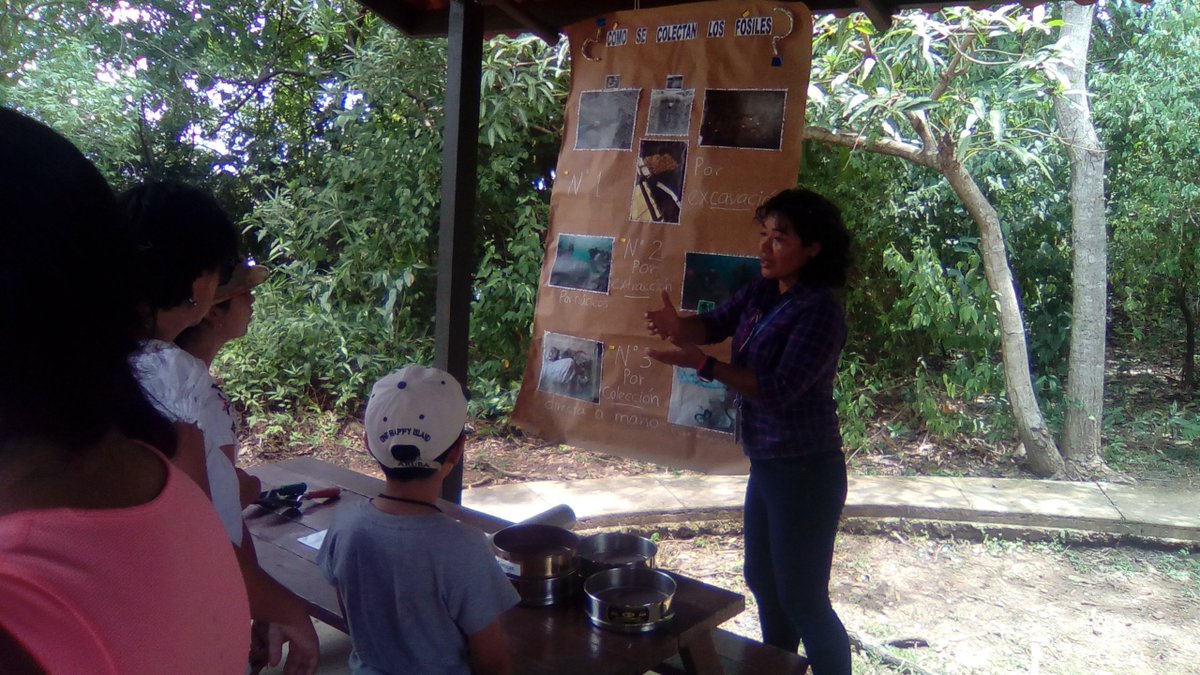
543	640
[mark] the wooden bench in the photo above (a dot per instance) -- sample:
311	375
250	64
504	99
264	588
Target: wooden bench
743	656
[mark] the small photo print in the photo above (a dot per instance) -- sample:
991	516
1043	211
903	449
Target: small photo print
674	82
582	262
743	118
658	186
670	112
571	367
703	405
606	119
612	81
709	279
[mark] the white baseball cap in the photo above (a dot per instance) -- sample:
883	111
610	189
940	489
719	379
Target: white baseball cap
413	416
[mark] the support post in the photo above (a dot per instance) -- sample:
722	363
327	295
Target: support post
460	157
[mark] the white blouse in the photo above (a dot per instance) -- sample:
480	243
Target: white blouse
180	387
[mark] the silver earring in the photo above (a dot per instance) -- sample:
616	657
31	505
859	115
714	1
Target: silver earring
192	302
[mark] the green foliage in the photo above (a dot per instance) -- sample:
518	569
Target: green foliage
524	88
1149	92
963	75
1181	565
298	117
355	241
978	83
320	128
874	84
227	95
855	391
65	64
1152	439
503	310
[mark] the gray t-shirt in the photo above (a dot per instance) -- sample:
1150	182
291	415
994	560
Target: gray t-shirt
413	587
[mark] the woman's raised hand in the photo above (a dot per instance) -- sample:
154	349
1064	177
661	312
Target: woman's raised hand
663	322
685	355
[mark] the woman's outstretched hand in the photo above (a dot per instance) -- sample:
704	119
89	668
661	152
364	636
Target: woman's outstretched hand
663	322
686	355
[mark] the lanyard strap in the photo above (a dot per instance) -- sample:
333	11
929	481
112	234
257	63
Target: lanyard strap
411	501
759	325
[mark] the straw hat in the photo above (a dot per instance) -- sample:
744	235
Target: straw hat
245	276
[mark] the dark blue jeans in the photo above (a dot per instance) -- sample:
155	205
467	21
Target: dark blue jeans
792	512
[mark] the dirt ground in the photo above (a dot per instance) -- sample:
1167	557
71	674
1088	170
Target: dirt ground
987	607
993	607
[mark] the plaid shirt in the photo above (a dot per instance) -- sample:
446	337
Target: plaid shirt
792	343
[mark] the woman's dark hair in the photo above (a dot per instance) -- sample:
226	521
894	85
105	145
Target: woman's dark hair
814	219
68	298
180	232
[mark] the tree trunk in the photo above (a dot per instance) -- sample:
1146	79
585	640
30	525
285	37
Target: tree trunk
1041	454
1085	377
1189	335
1186	284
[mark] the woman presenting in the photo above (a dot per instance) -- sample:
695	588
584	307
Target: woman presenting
788	329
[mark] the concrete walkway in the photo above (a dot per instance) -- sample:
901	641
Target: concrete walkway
1132	512
1119	512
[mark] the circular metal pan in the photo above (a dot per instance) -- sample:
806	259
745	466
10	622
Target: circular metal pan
548	591
535	551
615	549
629	599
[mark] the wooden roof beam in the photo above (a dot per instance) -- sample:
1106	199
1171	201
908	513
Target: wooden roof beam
402	15
878	12
549	34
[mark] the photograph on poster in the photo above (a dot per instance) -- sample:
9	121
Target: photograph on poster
612	81
670	112
606	119
704	405
658	184
571	367
709	279
743	118
674	82
582	262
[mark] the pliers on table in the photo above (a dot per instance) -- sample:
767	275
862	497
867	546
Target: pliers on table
290	496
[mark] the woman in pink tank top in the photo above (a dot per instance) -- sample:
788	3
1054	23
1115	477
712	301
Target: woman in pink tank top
111	561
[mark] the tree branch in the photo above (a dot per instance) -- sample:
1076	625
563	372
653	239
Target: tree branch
144	141
885	656
955	69
920	124
266	76
883	146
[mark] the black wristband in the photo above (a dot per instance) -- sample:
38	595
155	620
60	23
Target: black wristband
705	371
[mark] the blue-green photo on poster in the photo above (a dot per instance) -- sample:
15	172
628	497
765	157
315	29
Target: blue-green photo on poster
711	278
582	262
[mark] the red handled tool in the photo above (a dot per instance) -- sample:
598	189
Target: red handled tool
290	496
324	493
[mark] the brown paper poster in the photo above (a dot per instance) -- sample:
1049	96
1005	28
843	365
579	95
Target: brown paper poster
680	122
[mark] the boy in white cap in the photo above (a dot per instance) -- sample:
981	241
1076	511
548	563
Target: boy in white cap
421	592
